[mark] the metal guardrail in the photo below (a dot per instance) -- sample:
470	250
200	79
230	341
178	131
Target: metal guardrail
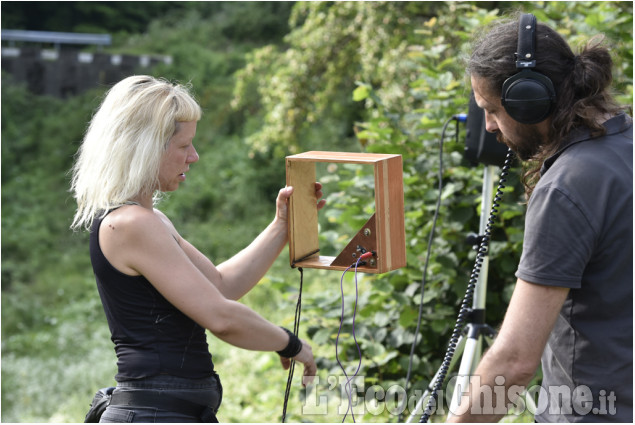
56	38
38	59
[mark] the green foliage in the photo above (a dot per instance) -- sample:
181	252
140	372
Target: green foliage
37	150
273	79
236	21
96	16
302	93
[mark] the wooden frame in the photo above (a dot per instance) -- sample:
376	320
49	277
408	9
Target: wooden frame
383	233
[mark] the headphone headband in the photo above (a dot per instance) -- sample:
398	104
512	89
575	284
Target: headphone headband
525	53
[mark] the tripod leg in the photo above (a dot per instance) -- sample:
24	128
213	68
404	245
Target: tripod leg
473	344
471	356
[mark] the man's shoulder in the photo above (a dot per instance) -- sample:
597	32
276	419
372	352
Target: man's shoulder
604	158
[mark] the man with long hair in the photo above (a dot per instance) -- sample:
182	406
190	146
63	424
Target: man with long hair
572	306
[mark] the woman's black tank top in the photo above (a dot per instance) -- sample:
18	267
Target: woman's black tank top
151	336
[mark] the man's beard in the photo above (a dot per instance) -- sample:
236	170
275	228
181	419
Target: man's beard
528	143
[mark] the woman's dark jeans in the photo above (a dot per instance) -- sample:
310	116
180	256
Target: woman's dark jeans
206	391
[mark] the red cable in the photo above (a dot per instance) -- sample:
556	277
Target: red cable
366	255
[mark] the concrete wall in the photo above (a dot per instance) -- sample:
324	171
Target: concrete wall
67	72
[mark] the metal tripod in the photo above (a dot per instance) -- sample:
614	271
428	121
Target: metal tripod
470	344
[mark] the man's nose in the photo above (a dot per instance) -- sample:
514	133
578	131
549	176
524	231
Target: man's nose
491	125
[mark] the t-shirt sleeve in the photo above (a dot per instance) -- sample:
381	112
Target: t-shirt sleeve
558	240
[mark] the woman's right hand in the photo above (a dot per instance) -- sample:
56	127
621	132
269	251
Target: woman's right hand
305	356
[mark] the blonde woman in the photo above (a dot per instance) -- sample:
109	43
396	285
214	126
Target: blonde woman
158	291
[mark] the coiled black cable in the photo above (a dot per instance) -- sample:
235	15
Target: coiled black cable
469	292
296	331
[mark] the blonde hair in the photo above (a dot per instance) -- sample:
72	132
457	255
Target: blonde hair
121	152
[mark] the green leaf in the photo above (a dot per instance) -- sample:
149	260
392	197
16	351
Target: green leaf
361	93
322	336
408	317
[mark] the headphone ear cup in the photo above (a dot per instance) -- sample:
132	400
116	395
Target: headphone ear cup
528	97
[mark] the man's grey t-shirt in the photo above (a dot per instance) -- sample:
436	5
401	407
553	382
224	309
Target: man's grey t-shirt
579	235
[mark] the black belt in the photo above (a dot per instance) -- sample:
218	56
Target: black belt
163	401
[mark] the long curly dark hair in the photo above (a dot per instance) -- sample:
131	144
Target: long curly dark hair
582	82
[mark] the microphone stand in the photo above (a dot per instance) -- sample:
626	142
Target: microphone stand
470	344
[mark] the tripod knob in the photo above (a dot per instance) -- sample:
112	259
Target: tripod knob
473	239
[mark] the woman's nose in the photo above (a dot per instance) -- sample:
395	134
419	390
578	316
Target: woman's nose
192	156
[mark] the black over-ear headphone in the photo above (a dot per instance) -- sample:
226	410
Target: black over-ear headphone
527	96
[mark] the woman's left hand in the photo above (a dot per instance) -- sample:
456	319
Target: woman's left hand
282	202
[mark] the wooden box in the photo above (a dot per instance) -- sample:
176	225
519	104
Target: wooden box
383	233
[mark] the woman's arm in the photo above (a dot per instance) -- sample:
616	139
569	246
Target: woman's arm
238	275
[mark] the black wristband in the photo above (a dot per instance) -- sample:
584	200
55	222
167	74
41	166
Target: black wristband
293	348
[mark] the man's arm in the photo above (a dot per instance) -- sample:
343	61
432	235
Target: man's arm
515	354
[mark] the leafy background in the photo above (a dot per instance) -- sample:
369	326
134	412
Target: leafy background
274	78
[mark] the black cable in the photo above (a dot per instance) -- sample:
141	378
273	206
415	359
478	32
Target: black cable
427	261
469	292
296	330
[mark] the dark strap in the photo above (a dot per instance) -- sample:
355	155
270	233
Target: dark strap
526	49
163	401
